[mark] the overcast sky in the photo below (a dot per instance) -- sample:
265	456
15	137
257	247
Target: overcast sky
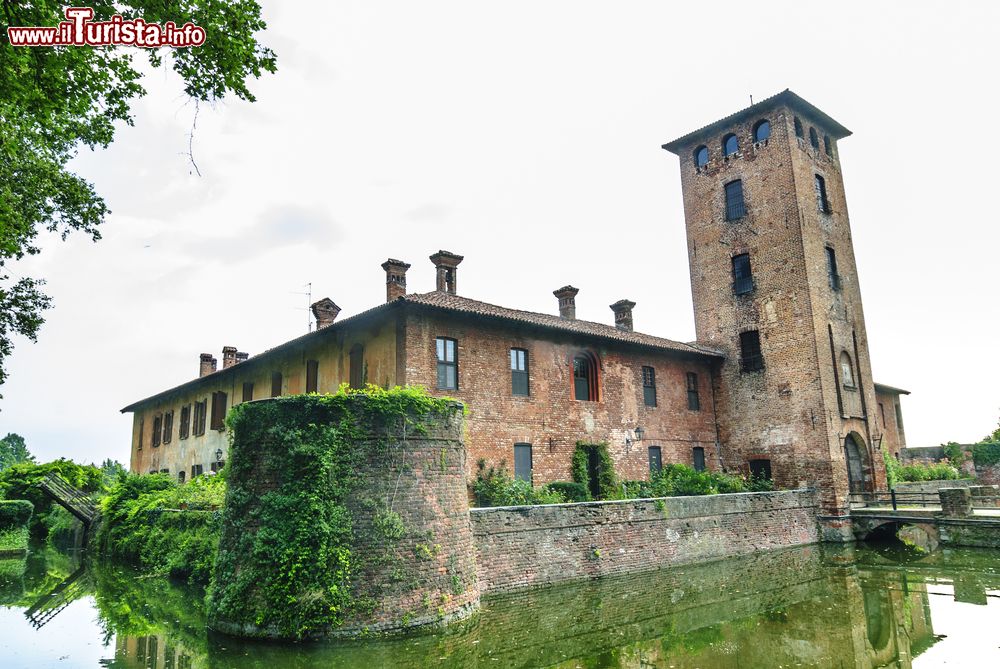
525	136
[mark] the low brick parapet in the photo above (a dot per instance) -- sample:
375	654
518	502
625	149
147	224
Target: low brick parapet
955	502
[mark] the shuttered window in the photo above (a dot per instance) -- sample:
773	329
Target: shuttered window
357	366
200	410
219	400
522	462
142	427
157	428
248	392
519	371
276	383
694	402
196	470
742	274
168	426
698	458
447	364
735	209
649	386
185	427
312	375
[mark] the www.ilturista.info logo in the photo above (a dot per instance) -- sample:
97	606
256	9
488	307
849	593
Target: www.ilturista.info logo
79	30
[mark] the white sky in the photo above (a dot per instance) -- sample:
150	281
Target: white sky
525	136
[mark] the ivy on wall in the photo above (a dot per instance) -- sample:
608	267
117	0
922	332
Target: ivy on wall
606	485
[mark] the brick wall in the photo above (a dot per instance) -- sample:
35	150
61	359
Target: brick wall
522	547
550	419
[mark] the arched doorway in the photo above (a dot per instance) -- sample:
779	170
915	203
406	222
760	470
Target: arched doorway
858	467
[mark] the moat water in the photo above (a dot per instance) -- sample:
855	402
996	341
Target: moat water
817	606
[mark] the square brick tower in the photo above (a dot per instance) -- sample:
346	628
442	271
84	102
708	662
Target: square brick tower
775	287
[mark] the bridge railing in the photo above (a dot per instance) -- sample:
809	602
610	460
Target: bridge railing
895	500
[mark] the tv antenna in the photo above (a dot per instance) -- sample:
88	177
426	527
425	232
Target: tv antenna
309	299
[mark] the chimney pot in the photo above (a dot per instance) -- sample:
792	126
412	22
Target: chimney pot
228	356
623	314
325	312
208	364
241	357
447	263
395	278
567	301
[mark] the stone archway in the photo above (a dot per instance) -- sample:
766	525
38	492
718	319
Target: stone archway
859	470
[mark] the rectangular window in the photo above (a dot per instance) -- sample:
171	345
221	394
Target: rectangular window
168	426
219	399
276	384
694	403
899	418
649	386
196	470
655	460
217	466
200	409
180	476
831	268
735	208
760	469
698	458
312	375
519	372
822	203
881	412
157	430
165	471
742	275
751	357
357	366
185	428
248	391
522	462
447	364
142	427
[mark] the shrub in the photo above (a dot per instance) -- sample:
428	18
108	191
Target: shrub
569	490
21	482
495	487
986	454
15	514
938	471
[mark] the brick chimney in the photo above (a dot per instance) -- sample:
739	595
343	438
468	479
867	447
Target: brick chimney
325	312
208	364
395	278
241	357
623	314
447	271
567	301
228	356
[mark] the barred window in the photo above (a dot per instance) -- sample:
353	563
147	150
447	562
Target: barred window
813	138
649	386
519	372
822	202
694	402
751	357
831	268
735	209
447	364
742	274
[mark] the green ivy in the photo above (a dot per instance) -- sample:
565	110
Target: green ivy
892	467
287	561
986	454
607	482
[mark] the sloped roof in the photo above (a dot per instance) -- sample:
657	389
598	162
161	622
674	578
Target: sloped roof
440	301
889	390
786	97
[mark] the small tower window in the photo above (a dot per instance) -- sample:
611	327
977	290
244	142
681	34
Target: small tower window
846	369
813	138
831	268
519	372
751	357
701	156
762	131
447	364
735	209
827	145
798	128
822	202
649	386
730	145
742	274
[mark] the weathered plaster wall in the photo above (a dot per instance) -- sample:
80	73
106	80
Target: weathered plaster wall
522	547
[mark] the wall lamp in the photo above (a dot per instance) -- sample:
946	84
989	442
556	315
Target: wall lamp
634	436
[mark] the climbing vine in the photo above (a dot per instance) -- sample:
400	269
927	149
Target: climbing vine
287	561
580	468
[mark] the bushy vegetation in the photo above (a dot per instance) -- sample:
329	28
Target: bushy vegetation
495	487
607	482
986	454
571	491
21	481
161	526
14	518
680	480
937	471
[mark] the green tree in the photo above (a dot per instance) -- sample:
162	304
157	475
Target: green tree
13	451
993	436
53	100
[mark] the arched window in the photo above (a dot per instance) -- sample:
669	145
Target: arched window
730	145
585	377
762	131
798	127
701	156
813	138
827	145
846	370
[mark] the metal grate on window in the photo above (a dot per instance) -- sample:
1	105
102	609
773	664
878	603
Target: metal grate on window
742	274
649	386
751	357
735	208
822	202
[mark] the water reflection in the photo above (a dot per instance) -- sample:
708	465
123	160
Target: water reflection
813	607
